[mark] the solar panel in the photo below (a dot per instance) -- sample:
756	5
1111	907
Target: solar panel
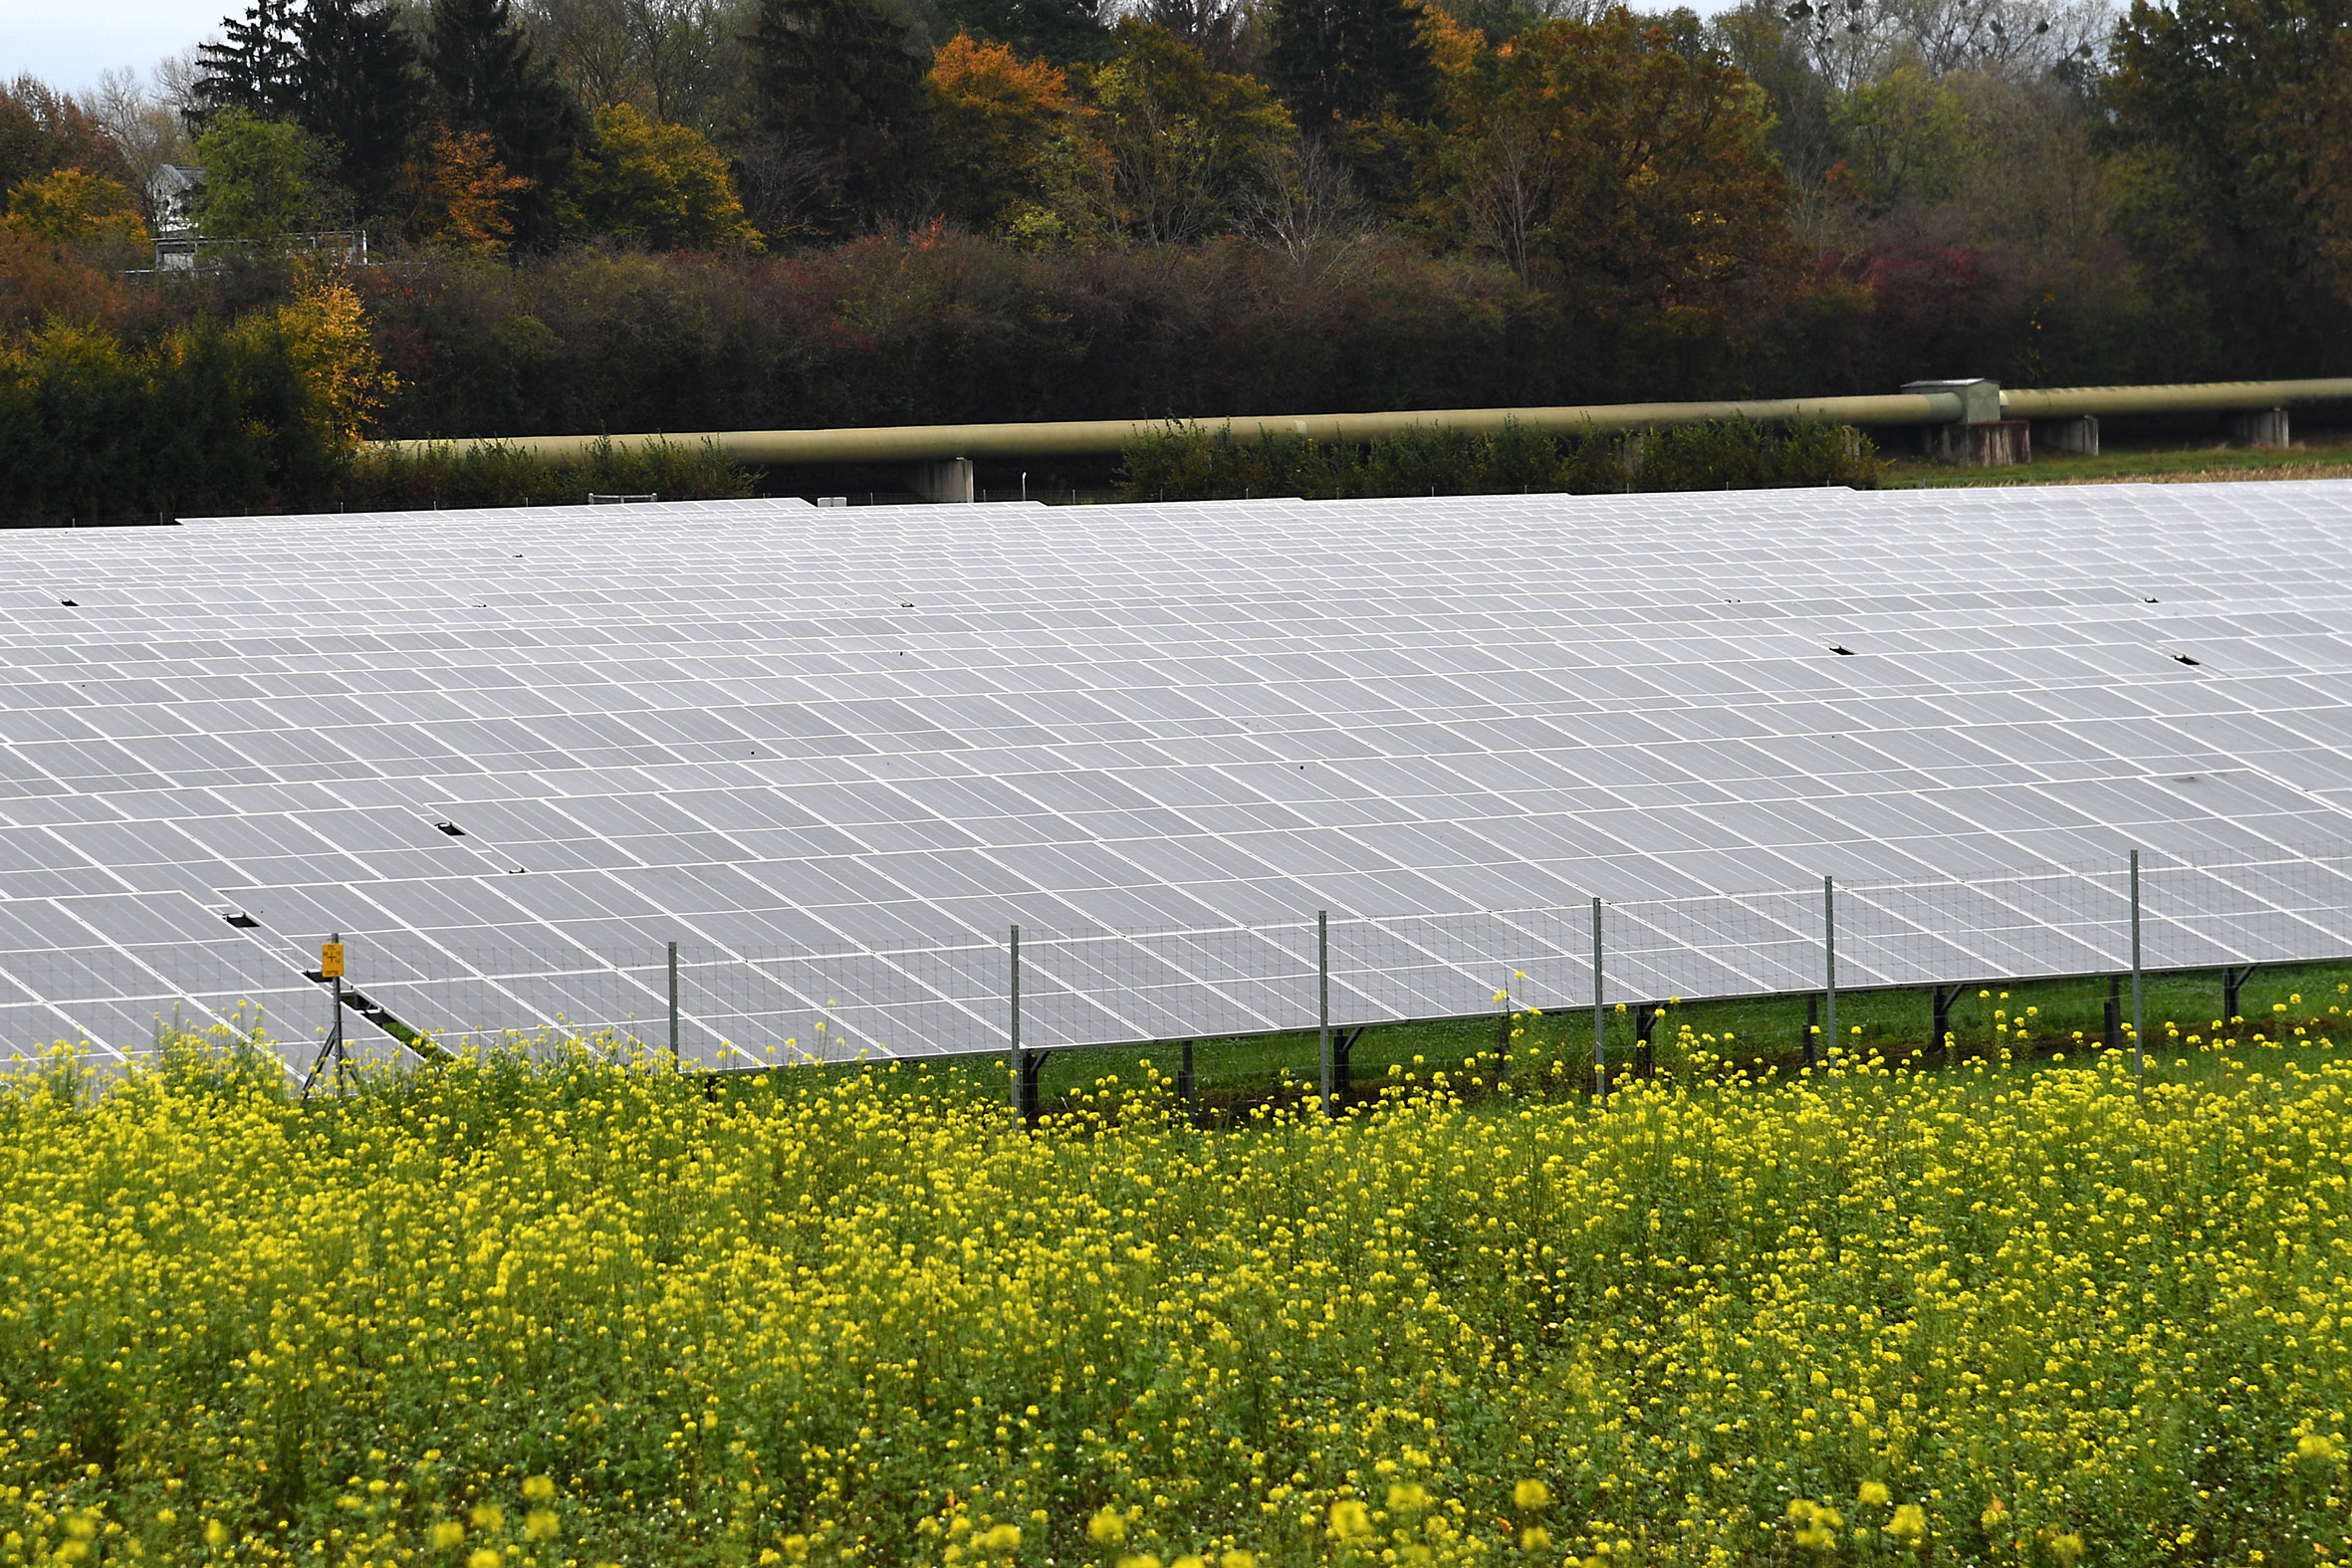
512	754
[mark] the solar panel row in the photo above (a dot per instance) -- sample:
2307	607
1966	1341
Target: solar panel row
511	754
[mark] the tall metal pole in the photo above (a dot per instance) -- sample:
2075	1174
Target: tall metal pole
1829	962
1601	1020
1323	974
673	1006
1020	1062
2139	1055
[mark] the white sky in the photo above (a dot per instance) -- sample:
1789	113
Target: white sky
67	43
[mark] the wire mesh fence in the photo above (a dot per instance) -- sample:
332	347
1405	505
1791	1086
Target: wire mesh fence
719	1008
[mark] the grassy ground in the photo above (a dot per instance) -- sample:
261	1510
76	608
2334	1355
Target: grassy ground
1233	1076
2328	456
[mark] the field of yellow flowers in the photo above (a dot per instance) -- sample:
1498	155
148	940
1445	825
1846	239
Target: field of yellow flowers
551	1310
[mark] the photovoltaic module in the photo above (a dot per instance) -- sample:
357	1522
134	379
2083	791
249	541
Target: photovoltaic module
836	754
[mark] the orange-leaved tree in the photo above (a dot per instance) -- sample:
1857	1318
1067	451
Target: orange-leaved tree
460	194
998	119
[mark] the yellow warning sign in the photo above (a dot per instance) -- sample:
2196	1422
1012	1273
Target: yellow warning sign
330	960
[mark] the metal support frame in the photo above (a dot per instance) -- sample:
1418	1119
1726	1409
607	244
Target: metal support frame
1830	961
1024	1071
1943	998
1185	1087
1343	1065
1601	1019
2139	1050
674	1062
2111	1031
1645	1019
1322	986
1813	1031
2233	979
1031	1063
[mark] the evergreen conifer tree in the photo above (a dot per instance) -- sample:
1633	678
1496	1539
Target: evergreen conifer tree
1346	63
487	77
843	124
256	66
359	93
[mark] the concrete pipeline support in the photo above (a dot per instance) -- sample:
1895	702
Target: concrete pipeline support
938	457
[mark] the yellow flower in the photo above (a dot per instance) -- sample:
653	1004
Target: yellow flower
215	1533
1533	1538
2066	1548
1350	1520
1909	1523
1238	1559
1107	1527
540	1488
484	1557
1140	1560
1873	1494
1530	1495
1002	1538
540	1524
446	1534
487	1516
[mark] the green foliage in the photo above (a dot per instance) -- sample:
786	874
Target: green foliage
258	414
421	476
487	77
841	123
1336	61
264	178
661	186
1192	462
1182	145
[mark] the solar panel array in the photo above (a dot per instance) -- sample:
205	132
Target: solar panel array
834	753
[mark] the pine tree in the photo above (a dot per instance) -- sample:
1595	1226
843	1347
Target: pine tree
359	93
842	123
486	77
1342	63
257	66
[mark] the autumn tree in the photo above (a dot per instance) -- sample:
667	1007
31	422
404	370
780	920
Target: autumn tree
1183	146
1600	161
459	194
41	130
659	186
998	120
75	207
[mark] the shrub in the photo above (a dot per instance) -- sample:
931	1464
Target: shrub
1192	462
431	474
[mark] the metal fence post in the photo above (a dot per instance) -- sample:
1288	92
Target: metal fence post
1323	975
2139	1052
674	1063
1829	962
1014	1057
1601	1020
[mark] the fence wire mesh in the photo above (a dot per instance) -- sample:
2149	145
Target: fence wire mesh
110	1001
